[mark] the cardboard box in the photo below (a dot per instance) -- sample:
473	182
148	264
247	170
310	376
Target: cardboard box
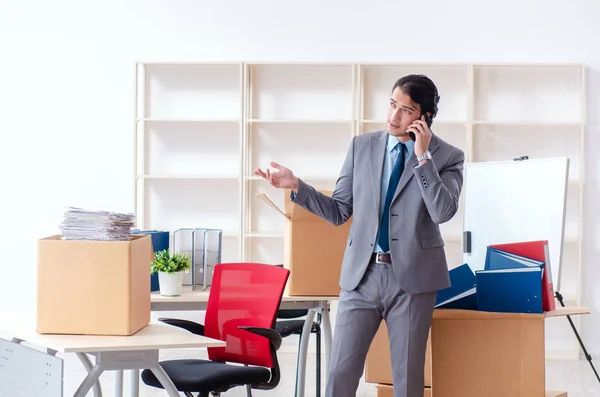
388	391
93	287
313	251
475	353
378	366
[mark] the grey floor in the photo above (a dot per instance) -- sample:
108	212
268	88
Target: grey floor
576	377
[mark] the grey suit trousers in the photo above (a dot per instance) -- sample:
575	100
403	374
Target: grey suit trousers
360	312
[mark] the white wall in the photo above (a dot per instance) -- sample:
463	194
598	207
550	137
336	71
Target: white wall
66	88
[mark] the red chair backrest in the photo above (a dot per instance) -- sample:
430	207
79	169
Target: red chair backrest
243	294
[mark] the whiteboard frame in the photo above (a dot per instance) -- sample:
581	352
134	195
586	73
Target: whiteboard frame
556	237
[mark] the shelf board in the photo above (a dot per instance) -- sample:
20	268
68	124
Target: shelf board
181	176
528	123
265	234
301	121
463	123
305	178
153	120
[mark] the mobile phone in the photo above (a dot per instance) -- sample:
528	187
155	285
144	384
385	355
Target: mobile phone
427	120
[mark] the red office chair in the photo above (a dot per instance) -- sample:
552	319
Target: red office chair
242	308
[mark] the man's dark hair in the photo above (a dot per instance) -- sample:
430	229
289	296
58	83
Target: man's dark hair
421	90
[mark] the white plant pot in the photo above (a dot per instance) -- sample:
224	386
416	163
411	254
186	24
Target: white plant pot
170	284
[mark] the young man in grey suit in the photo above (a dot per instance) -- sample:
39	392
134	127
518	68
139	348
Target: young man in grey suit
397	191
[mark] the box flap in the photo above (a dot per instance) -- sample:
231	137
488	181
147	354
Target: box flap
298	214
270	202
568	311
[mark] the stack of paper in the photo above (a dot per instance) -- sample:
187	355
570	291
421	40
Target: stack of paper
82	224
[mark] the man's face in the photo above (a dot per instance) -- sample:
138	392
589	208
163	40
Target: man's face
401	113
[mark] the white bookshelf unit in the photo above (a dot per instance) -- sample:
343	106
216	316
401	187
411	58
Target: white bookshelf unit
202	128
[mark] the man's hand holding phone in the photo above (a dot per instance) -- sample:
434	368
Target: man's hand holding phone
282	177
422	134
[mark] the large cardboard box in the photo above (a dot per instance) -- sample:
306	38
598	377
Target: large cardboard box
313	251
93	287
378	367
475	353
388	391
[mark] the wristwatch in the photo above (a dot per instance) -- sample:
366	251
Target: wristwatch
425	156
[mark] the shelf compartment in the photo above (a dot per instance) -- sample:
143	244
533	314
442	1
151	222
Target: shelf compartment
193	91
498	142
453	251
528	93
190	148
451	80
570	272
315	150
264	220
187	203
266	250
230	249
302	92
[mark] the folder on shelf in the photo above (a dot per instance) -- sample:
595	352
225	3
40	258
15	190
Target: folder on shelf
534	250
462	292
212	254
516	290
198	236
183	243
160	241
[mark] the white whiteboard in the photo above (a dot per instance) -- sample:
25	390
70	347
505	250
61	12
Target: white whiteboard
511	201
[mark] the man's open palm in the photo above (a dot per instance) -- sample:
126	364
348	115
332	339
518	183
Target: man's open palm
282	177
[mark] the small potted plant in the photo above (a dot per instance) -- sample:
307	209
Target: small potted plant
170	270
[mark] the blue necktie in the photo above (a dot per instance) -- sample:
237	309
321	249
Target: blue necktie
384	239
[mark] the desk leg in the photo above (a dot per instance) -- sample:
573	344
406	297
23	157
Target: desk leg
303	353
327	334
135	382
165	381
119	383
87	364
89	381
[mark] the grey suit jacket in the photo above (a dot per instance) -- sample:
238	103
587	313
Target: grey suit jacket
425	197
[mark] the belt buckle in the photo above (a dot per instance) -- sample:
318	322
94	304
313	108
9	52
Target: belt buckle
378	260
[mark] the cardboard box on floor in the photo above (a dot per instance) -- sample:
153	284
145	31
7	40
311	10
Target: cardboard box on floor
313	251
388	391
378	368
476	353
93	287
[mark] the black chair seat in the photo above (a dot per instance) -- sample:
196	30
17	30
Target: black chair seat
204	376
289	327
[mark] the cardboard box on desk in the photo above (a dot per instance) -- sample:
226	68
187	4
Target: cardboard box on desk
313	251
93	287
476	353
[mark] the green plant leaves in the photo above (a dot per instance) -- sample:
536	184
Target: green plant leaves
167	263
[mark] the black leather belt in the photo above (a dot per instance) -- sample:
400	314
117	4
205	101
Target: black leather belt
381	258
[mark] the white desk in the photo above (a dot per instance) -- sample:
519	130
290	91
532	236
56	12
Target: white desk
197	299
135	352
